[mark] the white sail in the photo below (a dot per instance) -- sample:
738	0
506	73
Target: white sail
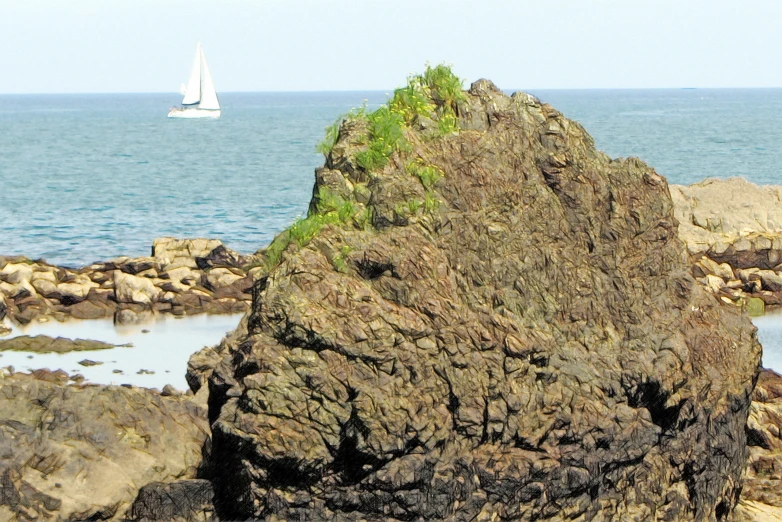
208	95
193	92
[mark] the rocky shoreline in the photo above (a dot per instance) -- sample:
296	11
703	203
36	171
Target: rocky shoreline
733	232
182	276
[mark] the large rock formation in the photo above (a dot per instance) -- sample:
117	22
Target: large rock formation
483	318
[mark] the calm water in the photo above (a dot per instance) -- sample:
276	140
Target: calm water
90	177
163	345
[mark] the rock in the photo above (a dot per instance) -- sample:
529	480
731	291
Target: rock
89	362
220	256
180	501
169	390
5	330
171	253
763	476
46	344
70	452
222	277
135	290
145	372
706	266
770	281
731	220
714	283
16	273
528	345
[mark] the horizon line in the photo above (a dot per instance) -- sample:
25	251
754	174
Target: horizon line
313	91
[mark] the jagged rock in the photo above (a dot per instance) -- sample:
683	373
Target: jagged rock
181	501
530	345
134	290
220	256
763	476
731	221
171	252
72	452
16	273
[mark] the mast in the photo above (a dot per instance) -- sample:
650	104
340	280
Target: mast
208	95
193	90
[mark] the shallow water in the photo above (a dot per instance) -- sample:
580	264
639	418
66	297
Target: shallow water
164	350
770	336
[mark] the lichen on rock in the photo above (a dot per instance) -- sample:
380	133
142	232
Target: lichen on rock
502	324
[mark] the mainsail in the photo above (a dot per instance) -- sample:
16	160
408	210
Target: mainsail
200	89
208	94
193	91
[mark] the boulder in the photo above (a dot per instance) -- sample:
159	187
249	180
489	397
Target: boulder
170	252
16	273
134	290
70	452
506	330
223	277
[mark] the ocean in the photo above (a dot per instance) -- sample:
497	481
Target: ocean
91	177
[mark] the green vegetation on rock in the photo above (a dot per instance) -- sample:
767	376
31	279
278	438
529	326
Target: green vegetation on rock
434	96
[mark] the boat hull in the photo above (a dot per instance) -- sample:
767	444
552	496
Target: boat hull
193	113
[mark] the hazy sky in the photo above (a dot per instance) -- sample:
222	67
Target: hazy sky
281	45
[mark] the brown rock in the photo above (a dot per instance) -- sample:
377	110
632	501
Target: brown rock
572	368
82	453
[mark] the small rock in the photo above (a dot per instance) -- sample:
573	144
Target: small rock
168	390
144	331
145	372
4	330
117	371
88	362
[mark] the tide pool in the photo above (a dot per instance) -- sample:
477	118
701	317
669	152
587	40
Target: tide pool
162	345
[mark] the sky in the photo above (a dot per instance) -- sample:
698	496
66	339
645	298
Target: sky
91	46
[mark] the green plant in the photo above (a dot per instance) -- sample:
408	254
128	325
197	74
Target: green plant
386	135
447	124
428	174
340	260
413	205
445	88
332	134
273	253
364	219
431	202
411	101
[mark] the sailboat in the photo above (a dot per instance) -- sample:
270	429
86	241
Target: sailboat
200	99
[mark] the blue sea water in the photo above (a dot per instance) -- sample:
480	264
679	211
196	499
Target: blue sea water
91	177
